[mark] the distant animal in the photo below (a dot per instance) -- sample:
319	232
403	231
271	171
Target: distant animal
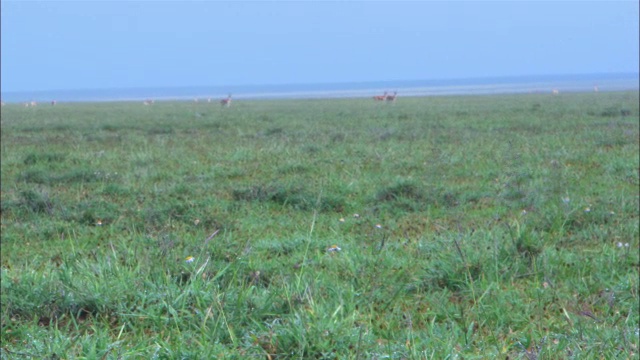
380	97
226	102
148	102
555	91
53	103
33	103
392	98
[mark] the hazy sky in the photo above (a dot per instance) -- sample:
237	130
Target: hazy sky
50	45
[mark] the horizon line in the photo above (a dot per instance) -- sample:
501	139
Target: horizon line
362	82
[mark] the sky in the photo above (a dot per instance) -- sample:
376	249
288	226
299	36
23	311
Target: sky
66	45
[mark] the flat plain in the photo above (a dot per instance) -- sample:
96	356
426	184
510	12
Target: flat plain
502	226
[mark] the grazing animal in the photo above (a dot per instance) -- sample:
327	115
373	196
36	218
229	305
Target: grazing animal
392	98
555	91
148	102
380	97
53	103
33	103
226	102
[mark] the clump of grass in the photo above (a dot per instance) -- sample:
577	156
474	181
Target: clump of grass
273	131
385	134
408	195
161	130
294	196
260	193
69	177
94	212
114	189
34	158
80	176
294	169
526	243
111	128
614	111
402	189
36	201
449	275
161	214
265	118
35	176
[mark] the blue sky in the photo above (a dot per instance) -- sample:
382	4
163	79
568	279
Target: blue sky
50	45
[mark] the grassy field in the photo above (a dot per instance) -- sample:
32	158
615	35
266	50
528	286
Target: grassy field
473	227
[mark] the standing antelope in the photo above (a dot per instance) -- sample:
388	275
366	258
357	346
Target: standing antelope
226	102
380	97
392	98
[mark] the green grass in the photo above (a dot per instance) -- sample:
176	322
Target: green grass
469	226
